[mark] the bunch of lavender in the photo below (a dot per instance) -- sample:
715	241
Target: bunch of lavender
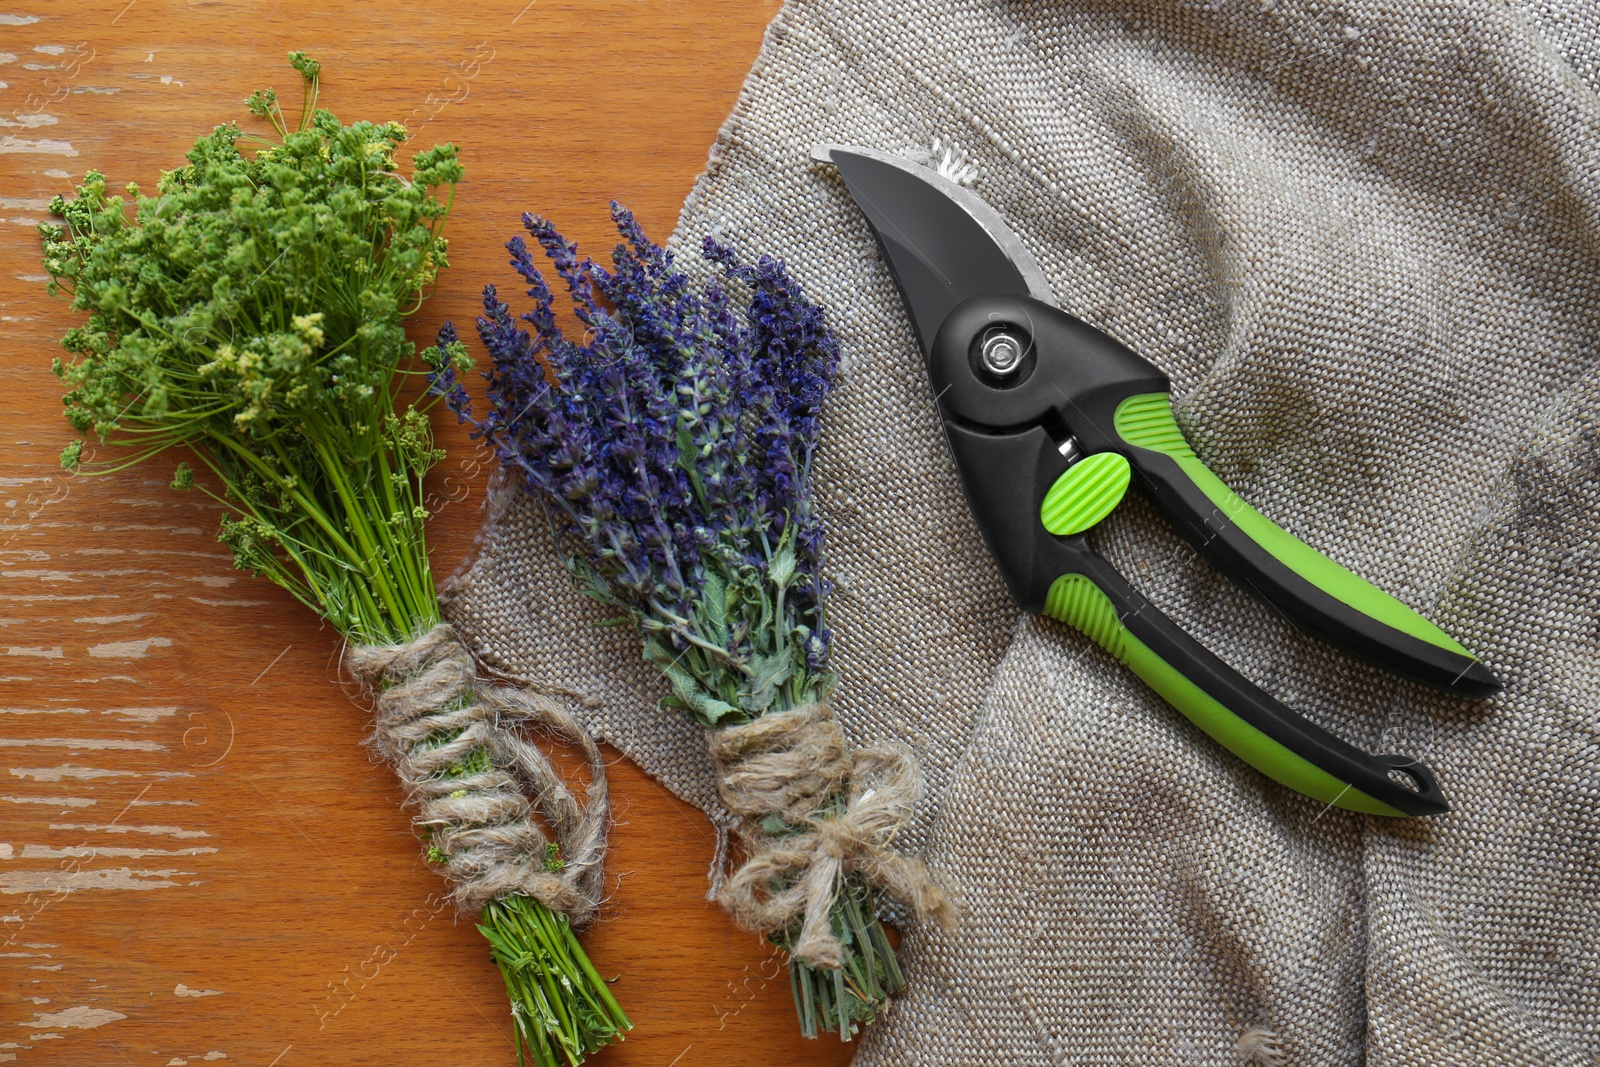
673	449
252	313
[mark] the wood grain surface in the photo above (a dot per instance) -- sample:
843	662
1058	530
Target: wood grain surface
198	861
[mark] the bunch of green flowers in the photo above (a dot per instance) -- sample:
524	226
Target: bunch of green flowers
252	312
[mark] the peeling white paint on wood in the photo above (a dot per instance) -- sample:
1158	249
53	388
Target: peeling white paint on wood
79	1018
30	527
44	711
58	881
211	581
128	649
46	852
67	770
60	802
185	991
147	553
41	651
82	742
142	714
44	146
139	527
122	828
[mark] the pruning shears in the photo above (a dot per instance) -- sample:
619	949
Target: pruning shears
1050	421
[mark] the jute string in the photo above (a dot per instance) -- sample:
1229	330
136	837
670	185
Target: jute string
793	764
485	822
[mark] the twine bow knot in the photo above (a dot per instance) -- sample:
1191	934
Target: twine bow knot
843	811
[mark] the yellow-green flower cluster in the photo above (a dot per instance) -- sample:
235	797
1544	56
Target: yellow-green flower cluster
253	310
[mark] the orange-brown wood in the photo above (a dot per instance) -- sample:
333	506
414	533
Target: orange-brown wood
198	861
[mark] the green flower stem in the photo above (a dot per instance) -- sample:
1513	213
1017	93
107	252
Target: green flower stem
562	1008
844	1000
311	573
385	479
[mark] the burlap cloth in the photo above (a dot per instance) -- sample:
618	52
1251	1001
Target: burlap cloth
1362	240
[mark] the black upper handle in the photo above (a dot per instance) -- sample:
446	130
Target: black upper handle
1219	537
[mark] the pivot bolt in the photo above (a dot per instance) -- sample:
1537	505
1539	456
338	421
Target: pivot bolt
1001	354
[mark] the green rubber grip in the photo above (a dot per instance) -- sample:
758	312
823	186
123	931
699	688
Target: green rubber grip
1146	421
1085	494
1077	601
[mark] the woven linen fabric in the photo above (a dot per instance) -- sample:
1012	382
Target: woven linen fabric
1361	238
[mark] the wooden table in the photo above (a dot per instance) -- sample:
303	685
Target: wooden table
198	862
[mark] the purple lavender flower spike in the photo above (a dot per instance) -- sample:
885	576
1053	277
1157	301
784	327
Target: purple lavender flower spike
444	360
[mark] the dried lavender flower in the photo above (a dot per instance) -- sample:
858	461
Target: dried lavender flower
675	443
673	447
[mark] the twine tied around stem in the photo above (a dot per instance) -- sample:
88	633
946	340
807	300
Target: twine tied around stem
793	764
433	710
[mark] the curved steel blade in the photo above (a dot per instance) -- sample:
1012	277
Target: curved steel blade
942	242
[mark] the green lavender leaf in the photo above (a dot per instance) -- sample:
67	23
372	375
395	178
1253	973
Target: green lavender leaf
714	606
767	674
781	569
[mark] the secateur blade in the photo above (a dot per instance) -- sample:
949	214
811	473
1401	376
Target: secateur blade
941	241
